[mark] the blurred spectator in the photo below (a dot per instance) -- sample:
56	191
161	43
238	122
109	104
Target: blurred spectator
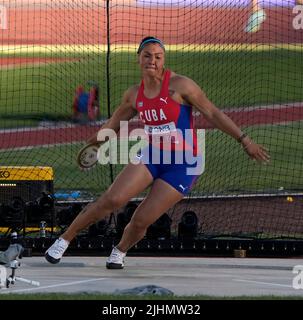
258	16
86	103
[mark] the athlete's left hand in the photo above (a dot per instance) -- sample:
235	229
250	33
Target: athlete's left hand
256	152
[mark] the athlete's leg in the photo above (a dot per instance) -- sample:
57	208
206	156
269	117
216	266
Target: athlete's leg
161	197
132	180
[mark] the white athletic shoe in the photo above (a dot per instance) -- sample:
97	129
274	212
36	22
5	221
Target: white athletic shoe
116	259
56	251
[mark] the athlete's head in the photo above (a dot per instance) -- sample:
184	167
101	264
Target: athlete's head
151	53
148	40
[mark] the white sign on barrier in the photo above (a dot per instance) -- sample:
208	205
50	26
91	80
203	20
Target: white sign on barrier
3	17
3	276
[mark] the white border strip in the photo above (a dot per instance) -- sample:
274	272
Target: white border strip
53	286
266	283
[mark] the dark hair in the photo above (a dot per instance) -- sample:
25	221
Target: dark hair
147	40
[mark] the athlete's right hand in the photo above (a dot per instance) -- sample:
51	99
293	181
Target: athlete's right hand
92	139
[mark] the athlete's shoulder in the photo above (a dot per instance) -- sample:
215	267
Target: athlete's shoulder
179	79
181	82
133	90
131	93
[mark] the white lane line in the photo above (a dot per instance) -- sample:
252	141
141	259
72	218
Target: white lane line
53	286
51	145
266	283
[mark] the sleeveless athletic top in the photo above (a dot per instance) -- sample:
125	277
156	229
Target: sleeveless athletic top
166	120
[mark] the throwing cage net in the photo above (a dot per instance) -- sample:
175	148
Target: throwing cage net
249	65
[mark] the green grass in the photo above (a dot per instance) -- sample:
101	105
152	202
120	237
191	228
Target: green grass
30	94
62	160
228	168
230	79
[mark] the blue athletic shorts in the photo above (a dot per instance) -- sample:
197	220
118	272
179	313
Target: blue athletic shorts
180	169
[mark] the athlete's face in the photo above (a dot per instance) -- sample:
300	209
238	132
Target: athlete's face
151	59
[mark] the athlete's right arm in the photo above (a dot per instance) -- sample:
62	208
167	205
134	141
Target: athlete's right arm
125	111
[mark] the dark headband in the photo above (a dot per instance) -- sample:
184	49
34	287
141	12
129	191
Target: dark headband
150	40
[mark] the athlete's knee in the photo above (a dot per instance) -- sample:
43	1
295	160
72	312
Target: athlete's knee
139	224
111	201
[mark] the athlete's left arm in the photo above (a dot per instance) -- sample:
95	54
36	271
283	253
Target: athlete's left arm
196	97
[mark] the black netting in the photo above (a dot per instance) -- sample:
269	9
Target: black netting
249	68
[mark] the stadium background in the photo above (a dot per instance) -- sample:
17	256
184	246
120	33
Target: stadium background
50	48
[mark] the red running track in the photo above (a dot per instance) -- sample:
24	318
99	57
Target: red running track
130	24
10	139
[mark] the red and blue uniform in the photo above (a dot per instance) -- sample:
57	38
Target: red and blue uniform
172	148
